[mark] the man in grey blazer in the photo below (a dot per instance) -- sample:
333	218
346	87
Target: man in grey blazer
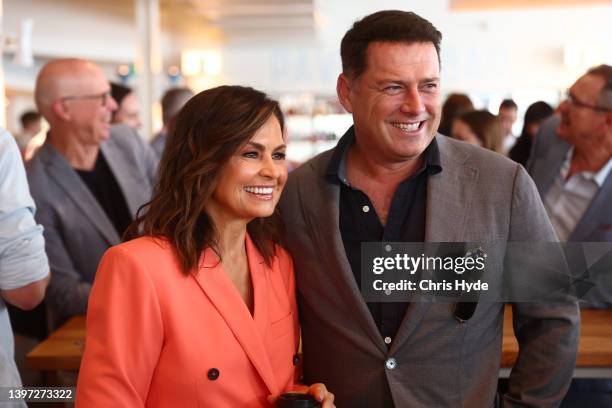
393	178
571	162
571	165
87	180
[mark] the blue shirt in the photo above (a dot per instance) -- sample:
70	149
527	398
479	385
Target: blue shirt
22	247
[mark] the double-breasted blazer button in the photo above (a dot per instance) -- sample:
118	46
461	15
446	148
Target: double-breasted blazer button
213	374
296	359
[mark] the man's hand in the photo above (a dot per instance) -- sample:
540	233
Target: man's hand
318	391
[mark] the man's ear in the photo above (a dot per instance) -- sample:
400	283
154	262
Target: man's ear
344	90
60	109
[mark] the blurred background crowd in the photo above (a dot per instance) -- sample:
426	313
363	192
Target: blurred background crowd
506	68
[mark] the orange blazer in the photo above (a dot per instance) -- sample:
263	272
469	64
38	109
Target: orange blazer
158	338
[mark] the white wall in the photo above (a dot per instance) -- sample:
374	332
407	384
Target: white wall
499	53
288	64
75	28
100	30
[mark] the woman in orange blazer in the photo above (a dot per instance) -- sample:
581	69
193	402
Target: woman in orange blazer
199	310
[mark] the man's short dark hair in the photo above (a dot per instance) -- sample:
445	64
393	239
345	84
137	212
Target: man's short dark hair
173	100
508	104
605	96
119	92
393	26
29	118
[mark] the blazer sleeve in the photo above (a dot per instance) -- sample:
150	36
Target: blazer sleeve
124	334
547	333
149	158
67	293
150	161
137	151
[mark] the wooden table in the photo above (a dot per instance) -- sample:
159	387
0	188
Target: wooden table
594	351
64	348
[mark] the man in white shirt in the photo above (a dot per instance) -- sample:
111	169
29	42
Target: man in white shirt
570	195
571	164
571	160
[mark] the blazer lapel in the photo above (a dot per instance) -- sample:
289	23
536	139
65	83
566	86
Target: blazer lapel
126	176
260	275
75	188
597	213
449	199
449	196
551	165
324	230
219	288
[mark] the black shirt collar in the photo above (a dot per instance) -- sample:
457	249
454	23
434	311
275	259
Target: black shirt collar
336	168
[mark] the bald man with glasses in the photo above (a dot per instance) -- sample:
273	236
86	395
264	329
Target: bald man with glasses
88	180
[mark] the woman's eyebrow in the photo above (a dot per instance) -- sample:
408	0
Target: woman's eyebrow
259	146
256	145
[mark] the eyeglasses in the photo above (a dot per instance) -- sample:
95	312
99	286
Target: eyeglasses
104	97
572	100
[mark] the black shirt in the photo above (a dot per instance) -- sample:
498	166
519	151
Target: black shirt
102	183
360	223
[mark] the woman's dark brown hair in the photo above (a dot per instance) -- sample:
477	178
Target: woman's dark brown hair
455	105
209	129
487	128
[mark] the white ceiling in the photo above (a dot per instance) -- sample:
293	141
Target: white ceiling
293	44
246	17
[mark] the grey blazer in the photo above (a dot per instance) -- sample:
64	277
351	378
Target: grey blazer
77	231
547	156
478	196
